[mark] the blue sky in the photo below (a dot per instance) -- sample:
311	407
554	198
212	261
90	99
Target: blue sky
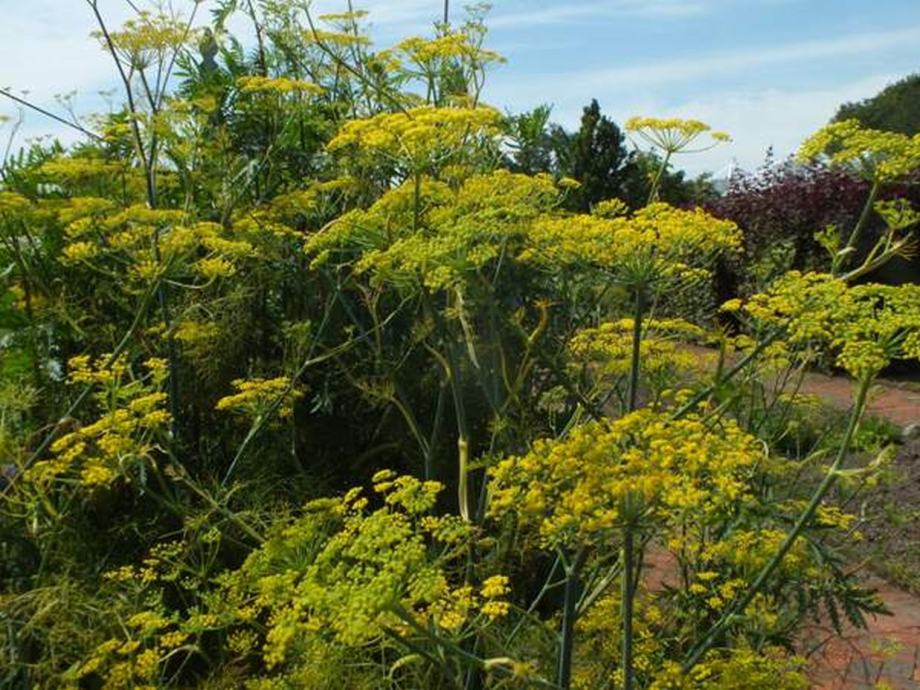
767	71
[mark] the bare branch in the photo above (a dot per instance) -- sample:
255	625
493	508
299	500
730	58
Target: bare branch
49	114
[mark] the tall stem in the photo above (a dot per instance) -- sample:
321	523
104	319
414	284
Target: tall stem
634	365
626	605
569	613
843	256
653	192
148	166
827	483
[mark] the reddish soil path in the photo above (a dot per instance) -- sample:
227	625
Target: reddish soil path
887	654
895	401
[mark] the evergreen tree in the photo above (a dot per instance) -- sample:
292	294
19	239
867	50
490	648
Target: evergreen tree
595	155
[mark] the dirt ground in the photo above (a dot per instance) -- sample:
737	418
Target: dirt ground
887	655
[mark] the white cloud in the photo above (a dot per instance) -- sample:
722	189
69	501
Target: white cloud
773	117
692	67
583	11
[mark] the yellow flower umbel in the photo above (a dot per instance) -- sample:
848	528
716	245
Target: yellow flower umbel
344	576
276	85
123	438
674	135
255	397
670	137
607	350
875	155
570	492
669	242
420	139
863	327
456	234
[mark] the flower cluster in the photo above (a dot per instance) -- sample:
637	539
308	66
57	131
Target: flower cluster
608	348
278	85
97	229
149	36
426	53
123	438
421	138
255	397
873	154
576	490
673	135
678	242
342	574
864	327
456	234
899	214
139	659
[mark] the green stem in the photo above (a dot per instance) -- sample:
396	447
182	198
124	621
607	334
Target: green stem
827	483
463	486
843	256
569	613
653	192
691	404
626	606
636	350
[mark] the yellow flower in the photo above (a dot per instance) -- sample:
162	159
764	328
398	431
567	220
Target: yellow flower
673	135
495	587
578	489
876	155
255	397
79	251
863	326
215	267
420	136
279	85
495	609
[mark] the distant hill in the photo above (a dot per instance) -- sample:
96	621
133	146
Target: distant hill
895	108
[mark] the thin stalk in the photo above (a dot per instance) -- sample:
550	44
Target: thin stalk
260	42
626	576
689	406
463	486
331	54
653	192
636	350
454	378
261	420
148	166
435	432
827	483
841	259
49	114
547	586
626	605
569	614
